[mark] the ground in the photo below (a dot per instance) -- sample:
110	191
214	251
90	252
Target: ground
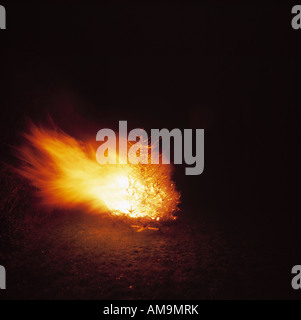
82	256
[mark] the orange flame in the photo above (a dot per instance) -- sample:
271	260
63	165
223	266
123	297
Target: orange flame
67	175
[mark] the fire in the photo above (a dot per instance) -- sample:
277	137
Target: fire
67	175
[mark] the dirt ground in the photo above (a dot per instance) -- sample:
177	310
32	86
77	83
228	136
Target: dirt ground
82	256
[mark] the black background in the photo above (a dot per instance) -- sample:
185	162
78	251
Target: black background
232	69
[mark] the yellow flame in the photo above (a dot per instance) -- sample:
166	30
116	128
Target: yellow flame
67	175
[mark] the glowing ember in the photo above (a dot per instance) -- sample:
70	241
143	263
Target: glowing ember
67	175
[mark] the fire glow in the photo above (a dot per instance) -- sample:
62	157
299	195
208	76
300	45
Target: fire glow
67	175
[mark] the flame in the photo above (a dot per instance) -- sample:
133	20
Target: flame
67	175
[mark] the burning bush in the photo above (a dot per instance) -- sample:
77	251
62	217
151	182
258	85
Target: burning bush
67	175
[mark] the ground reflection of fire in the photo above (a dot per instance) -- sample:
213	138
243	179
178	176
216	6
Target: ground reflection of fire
67	175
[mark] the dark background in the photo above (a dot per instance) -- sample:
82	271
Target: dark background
232	69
